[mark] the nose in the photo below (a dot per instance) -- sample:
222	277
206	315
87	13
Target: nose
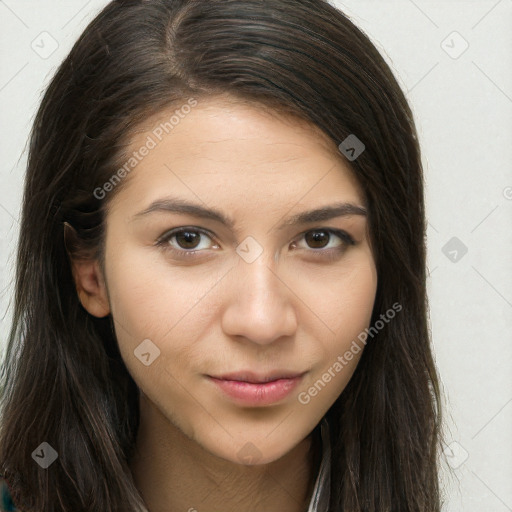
259	305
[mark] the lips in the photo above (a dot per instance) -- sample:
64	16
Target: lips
255	378
257	390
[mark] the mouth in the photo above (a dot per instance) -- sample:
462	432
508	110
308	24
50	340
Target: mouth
249	389
254	378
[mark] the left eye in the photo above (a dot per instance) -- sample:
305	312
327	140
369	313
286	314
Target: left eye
317	237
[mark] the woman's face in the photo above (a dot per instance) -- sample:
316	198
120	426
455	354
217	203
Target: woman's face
258	293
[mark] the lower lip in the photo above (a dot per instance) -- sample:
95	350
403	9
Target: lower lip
257	394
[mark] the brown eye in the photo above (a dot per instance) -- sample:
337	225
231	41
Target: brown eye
186	242
317	239
188	239
325	242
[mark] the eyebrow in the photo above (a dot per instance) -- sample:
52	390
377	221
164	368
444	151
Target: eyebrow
180	206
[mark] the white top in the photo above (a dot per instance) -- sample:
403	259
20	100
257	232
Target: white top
320	499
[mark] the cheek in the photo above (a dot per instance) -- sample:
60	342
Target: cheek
344	304
353	300
152	301
342	298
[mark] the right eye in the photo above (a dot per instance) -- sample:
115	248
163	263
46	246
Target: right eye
184	242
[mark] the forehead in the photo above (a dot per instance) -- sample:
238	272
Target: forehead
221	144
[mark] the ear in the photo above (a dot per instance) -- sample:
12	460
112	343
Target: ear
87	275
91	287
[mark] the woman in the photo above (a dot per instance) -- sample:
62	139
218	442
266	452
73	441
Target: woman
285	365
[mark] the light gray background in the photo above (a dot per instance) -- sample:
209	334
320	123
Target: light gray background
463	106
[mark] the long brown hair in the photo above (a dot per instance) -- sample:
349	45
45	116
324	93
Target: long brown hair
63	380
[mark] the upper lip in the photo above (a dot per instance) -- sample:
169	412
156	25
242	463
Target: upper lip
255	378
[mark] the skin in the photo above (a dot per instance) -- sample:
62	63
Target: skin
292	308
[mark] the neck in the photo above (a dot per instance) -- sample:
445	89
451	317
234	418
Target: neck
174	473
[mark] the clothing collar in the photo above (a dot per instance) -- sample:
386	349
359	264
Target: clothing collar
322	490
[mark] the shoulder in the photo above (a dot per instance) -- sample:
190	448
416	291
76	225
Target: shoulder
6	504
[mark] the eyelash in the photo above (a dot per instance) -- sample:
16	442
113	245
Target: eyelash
330	254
